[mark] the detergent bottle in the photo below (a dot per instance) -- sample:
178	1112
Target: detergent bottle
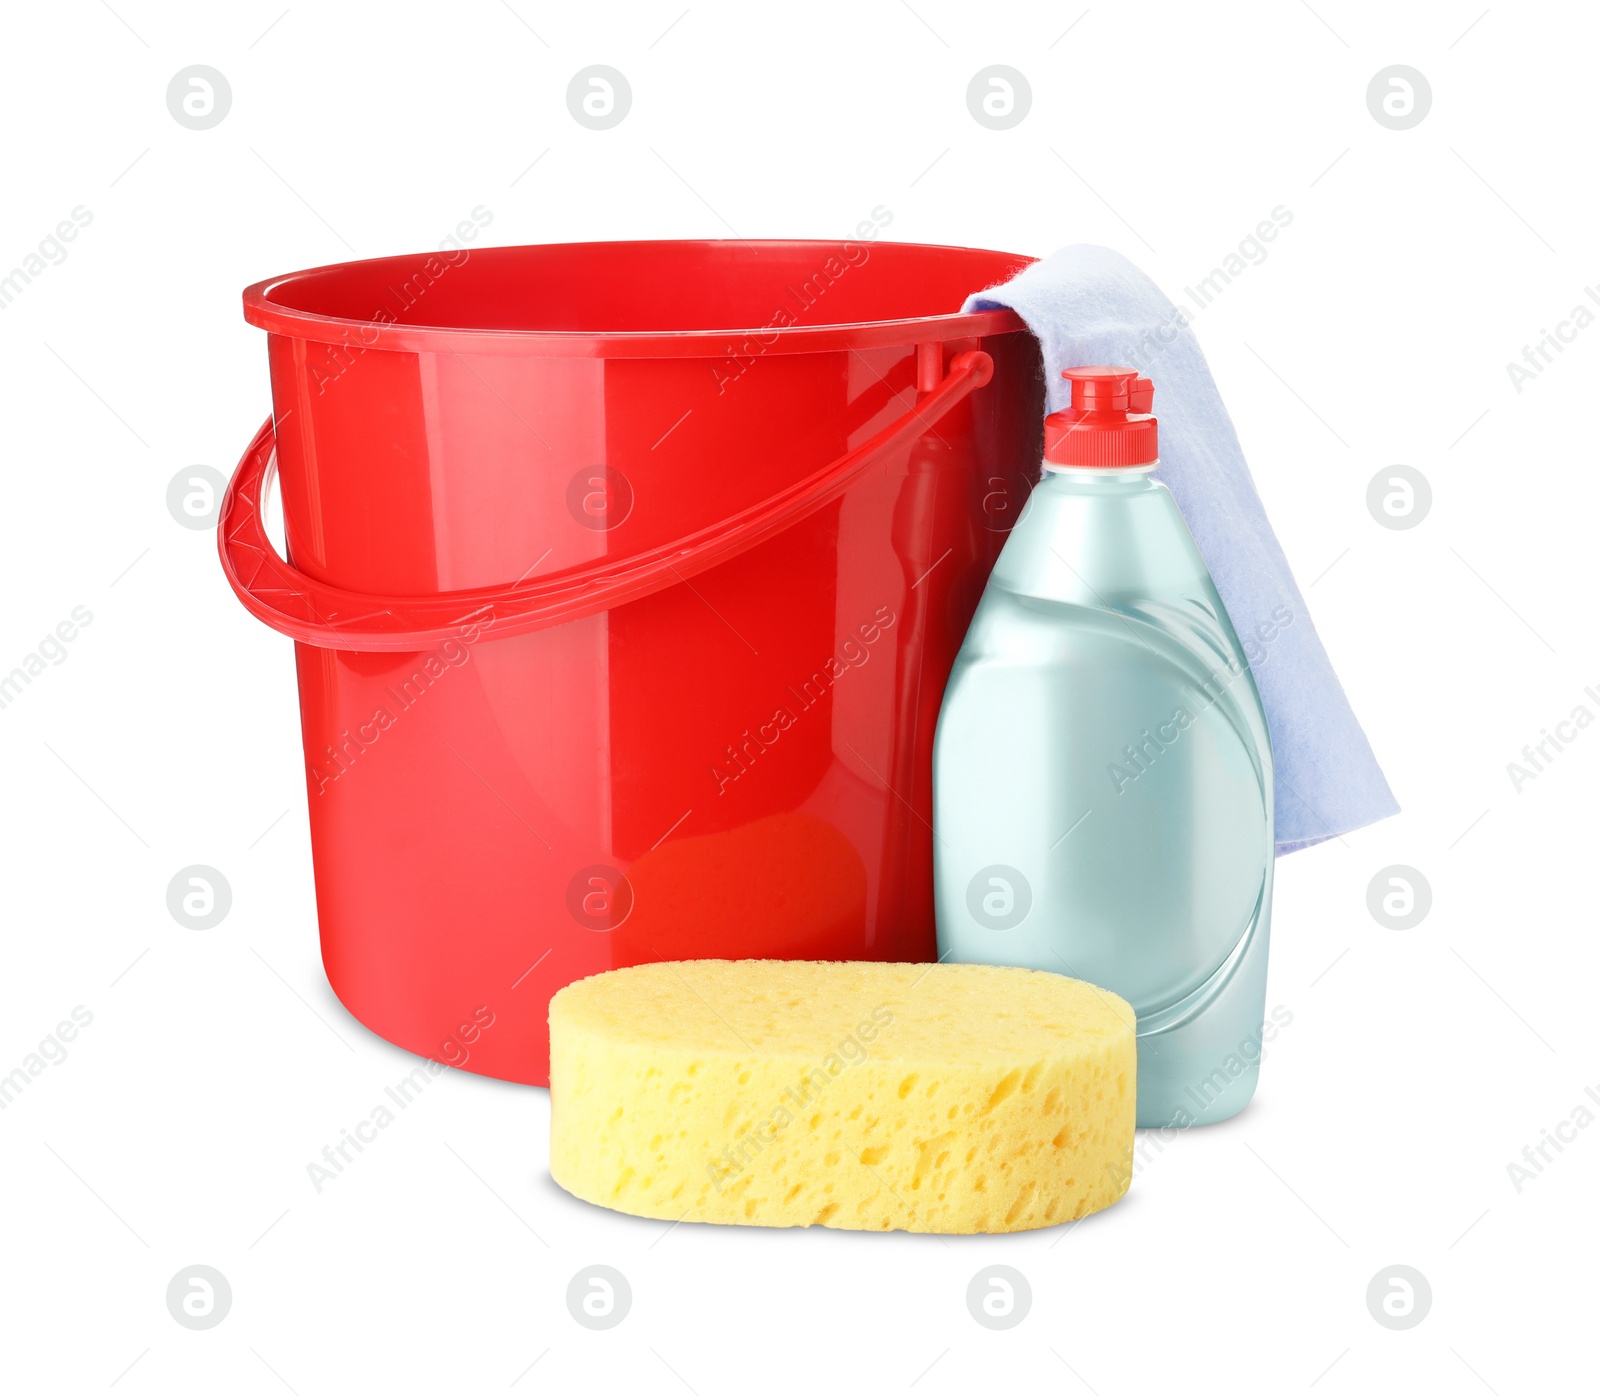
1102	771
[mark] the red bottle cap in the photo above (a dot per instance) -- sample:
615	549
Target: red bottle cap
1108	424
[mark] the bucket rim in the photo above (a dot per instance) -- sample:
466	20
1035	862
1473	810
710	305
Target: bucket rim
263	310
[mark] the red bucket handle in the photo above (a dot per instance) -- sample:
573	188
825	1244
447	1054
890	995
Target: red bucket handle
330	617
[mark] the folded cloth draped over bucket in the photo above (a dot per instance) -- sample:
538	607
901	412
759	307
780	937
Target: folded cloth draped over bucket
1090	305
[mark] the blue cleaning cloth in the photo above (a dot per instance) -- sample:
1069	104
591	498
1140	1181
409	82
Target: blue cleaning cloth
1090	305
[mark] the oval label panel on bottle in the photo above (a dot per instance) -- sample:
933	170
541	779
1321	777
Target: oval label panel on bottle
1163	876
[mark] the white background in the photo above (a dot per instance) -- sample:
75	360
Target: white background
1419	1063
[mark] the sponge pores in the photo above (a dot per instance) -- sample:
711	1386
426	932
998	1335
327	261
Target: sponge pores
943	1098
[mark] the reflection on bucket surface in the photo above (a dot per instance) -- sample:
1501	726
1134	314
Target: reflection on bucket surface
787	887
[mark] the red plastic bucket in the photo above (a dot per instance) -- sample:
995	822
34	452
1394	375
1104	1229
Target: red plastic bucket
625	580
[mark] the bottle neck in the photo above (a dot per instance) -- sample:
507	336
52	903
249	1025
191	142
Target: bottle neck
1090	474
1093	534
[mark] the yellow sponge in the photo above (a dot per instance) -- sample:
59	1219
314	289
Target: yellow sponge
953	1098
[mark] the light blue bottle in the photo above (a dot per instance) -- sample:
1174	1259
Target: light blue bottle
1102	770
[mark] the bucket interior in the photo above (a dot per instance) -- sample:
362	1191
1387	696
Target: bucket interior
652	287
